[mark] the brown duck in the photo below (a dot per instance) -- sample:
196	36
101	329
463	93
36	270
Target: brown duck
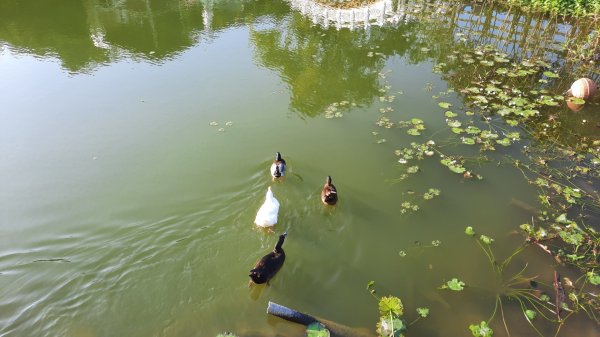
329	193
269	264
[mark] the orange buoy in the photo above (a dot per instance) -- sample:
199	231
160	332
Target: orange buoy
583	88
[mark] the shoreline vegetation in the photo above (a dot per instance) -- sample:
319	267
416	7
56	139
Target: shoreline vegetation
575	8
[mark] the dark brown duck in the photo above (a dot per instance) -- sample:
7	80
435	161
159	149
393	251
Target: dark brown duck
269	265
329	193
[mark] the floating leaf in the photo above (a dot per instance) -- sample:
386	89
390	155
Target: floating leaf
519	101
316	329
444	105
486	239
473	130
413	169
469	231
548	101
487	63
457	130
481	330
413	132
504	141
488	134
530	314
576	100
490	89
593	278
550	74
390	304
457	169
528	64
423	312
468	140
501	71
563	217
571	237
390	327
455	285
450	114
454	123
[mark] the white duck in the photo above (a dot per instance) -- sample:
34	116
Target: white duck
267	214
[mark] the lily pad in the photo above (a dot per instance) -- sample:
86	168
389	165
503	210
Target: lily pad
390	304
504	141
454	123
468	140
481	330
550	74
423	312
576	100
455	285
413	132
444	105
473	130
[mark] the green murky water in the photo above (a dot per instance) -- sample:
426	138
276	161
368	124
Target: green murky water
125	211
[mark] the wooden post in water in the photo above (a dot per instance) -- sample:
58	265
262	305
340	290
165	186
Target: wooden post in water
335	329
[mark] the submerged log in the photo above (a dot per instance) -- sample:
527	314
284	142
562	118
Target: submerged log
335	329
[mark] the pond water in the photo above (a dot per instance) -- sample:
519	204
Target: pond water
135	141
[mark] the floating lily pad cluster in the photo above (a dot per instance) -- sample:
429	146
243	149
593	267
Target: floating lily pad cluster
334	110
221	129
501	86
415	151
412	206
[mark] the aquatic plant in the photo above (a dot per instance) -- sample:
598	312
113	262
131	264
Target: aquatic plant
316	330
563	7
532	301
391	312
412	205
420	246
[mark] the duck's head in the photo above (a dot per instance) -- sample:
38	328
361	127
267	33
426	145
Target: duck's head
277	156
328	180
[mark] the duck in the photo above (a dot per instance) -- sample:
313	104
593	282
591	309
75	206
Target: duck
269	265
278	167
267	213
329	194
